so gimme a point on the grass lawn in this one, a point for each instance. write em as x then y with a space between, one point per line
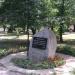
68 46
10 44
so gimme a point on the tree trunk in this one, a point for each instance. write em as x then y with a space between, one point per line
33 30
60 33
28 41
74 28
62 19
52 27
4 27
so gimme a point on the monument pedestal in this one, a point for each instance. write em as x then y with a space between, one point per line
42 46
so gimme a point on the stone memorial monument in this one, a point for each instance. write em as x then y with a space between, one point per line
43 45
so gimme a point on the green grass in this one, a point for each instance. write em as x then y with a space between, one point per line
67 47
5 51
8 46
11 46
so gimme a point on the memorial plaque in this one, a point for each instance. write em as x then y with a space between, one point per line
39 43
42 46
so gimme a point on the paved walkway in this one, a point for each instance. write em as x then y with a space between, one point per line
69 36
8 68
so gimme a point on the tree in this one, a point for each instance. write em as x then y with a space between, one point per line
65 11
19 12
37 13
45 12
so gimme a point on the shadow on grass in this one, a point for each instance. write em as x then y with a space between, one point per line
67 47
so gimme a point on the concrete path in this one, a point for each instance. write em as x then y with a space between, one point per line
8 68
69 36
21 37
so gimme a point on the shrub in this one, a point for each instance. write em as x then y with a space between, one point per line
66 50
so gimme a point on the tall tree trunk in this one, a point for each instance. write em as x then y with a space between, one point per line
27 23
28 41
60 32
62 20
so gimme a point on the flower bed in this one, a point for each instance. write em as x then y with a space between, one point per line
45 64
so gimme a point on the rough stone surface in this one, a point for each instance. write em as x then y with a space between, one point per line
2 67
15 73
36 54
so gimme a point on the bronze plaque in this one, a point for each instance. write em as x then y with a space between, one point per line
39 43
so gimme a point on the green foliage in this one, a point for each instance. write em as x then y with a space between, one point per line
2 52
47 13
28 64
7 51
38 13
66 50
65 8
7 47
21 12
27 12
